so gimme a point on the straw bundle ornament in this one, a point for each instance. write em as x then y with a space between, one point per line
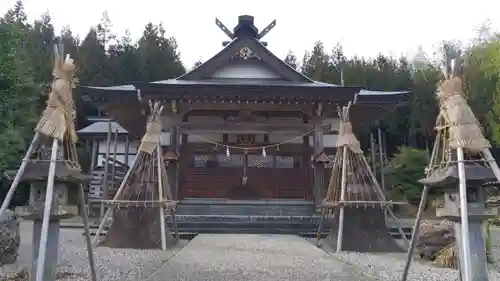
464 129
59 115
151 138
346 135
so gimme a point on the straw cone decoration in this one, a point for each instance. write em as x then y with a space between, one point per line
151 138
58 118
346 136
464 129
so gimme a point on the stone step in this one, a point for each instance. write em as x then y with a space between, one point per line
243 218
228 209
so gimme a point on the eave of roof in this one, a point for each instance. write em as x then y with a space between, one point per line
382 97
129 92
101 127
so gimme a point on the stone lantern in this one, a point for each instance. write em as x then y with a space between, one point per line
447 179
67 175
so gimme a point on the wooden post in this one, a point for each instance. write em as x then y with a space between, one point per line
343 186
127 150
106 170
113 169
94 155
464 216
159 160
117 195
86 229
420 212
381 155
373 152
174 167
49 195
19 174
318 169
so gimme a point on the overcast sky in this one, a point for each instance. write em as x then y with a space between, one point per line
363 27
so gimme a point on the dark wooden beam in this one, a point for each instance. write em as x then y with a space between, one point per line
249 128
279 107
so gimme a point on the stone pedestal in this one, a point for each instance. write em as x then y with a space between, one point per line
34 212
9 238
477 213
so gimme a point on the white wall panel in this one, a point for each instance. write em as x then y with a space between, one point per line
328 140
254 71
120 146
335 122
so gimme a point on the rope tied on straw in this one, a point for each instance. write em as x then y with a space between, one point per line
58 117
346 136
151 138
464 129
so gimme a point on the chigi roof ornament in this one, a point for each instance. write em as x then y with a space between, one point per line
245 27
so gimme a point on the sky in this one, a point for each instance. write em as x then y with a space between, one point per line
363 27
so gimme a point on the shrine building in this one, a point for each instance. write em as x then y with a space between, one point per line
246 134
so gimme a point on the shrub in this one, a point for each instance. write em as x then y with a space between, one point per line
405 169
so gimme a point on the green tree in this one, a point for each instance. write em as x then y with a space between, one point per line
123 60
291 60
317 63
41 39
158 55
405 169
197 63
19 94
92 61
481 78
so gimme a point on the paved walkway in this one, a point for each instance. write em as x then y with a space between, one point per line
242 257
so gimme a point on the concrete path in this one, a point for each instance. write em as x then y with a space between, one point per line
242 257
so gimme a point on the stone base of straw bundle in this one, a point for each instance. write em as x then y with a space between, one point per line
365 231
136 228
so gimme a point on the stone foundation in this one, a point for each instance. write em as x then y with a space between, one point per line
9 238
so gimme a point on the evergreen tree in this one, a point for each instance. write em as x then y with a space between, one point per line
291 60
92 61
19 94
159 56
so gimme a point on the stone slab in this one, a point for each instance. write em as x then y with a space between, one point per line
246 257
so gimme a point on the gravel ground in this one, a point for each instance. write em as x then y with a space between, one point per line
73 263
235 258
240 257
388 267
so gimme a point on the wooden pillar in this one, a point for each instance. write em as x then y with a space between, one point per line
174 167
127 150
106 171
381 154
318 168
93 159
305 160
113 168
373 153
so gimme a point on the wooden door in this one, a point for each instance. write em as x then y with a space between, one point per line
221 176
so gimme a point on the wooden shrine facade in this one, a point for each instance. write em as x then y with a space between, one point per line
220 115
